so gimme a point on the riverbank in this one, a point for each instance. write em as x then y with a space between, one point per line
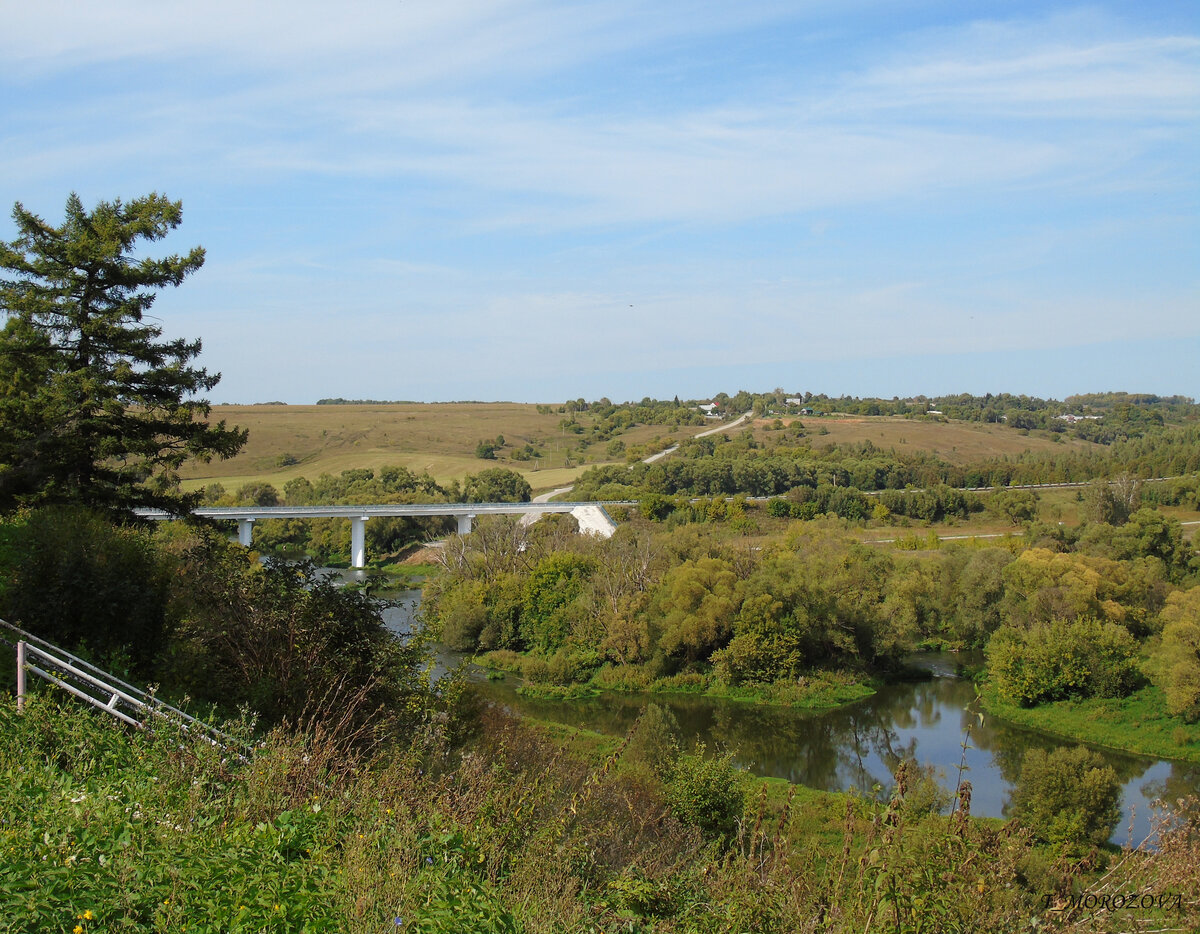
1138 723
815 820
818 690
524 830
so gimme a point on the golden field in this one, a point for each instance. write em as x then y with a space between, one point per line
438 437
955 442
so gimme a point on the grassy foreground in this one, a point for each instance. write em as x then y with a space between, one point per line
106 830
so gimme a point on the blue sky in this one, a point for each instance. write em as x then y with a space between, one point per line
531 200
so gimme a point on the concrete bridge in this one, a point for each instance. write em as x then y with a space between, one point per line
591 517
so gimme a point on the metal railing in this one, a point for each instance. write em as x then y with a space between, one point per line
103 690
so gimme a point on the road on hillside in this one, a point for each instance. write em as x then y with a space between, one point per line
704 434
546 497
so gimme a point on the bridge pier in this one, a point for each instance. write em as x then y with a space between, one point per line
358 542
464 524
245 527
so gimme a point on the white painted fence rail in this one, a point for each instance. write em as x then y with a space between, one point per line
103 690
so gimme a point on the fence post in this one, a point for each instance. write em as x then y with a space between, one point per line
20 676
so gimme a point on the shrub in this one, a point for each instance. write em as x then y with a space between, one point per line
684 683
77 579
923 793
1060 659
290 644
655 506
1068 797
565 667
779 508
459 615
503 659
707 793
535 670
628 678
1177 659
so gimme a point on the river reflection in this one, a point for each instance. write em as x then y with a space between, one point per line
856 746
859 745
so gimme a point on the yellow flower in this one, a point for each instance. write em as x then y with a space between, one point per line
87 915
77 930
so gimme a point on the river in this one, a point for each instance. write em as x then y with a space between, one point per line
855 746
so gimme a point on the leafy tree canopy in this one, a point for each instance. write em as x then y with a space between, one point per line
497 485
96 407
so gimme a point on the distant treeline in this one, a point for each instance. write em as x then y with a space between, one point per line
1099 417
719 465
340 401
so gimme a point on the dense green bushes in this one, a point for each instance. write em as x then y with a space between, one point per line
1060 659
688 599
706 792
184 608
76 579
289 643
1068 796
1177 658
675 603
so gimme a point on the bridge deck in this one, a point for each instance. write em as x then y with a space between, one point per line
374 510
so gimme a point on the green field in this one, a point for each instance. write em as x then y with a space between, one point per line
1138 723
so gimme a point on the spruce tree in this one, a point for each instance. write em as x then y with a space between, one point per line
95 407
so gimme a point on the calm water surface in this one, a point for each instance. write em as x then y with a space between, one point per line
856 746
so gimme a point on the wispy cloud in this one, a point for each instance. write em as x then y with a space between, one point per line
405 93
1151 79
516 168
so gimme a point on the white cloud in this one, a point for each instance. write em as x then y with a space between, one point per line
407 91
400 43
1156 78
320 141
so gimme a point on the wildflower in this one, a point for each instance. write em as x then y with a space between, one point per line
428 860
87 915
399 921
77 930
